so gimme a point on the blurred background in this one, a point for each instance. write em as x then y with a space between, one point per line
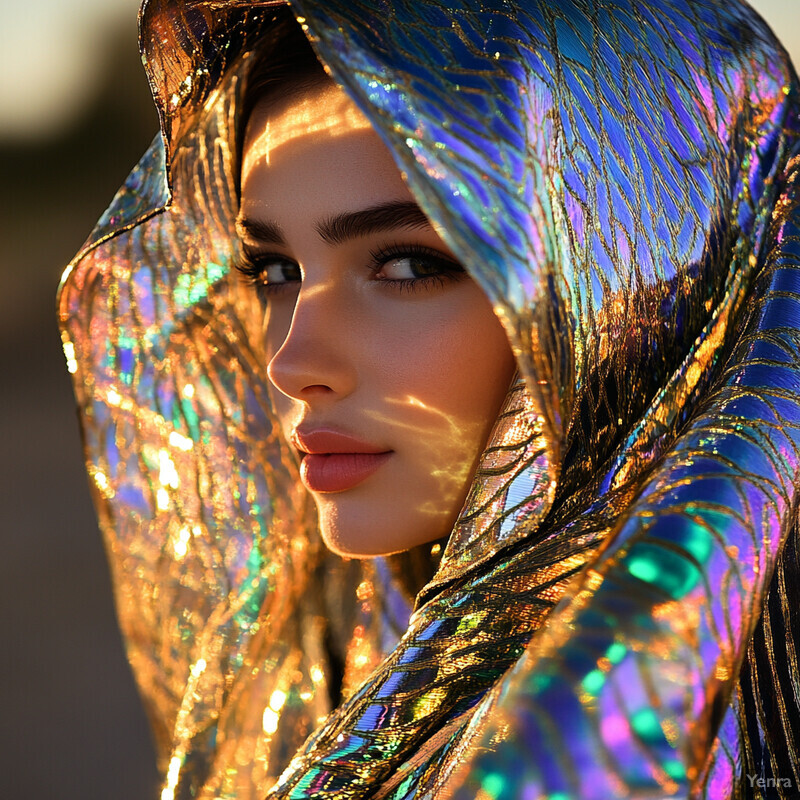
76 116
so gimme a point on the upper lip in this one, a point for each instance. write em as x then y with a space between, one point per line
318 441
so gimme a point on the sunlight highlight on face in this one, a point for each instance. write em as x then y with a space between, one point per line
303 120
387 365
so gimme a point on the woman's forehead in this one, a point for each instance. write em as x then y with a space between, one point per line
322 111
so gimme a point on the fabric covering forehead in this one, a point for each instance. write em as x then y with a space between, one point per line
620 179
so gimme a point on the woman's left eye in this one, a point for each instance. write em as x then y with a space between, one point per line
414 264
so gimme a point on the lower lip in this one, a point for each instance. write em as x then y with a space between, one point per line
337 472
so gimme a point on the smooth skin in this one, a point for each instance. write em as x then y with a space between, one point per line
373 330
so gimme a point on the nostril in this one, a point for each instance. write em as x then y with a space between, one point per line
316 389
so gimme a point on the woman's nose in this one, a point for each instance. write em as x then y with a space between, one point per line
316 357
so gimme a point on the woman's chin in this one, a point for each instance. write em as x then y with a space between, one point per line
348 548
363 533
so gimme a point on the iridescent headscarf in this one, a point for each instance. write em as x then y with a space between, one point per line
615 612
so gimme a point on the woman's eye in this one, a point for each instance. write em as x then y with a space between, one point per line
267 273
409 268
413 266
278 272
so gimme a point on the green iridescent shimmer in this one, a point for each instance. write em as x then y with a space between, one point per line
613 615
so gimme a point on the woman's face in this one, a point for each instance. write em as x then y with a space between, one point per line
387 366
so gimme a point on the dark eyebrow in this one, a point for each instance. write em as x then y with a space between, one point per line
341 227
263 232
351 225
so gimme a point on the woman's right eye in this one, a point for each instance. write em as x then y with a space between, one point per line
268 273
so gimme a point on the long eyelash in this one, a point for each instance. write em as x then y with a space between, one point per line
452 271
387 252
250 269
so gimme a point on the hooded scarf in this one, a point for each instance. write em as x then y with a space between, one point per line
615 611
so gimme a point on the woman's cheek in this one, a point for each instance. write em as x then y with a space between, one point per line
461 362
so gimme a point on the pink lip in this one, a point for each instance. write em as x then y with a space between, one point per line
335 462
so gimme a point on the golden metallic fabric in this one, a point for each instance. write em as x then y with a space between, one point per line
615 612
